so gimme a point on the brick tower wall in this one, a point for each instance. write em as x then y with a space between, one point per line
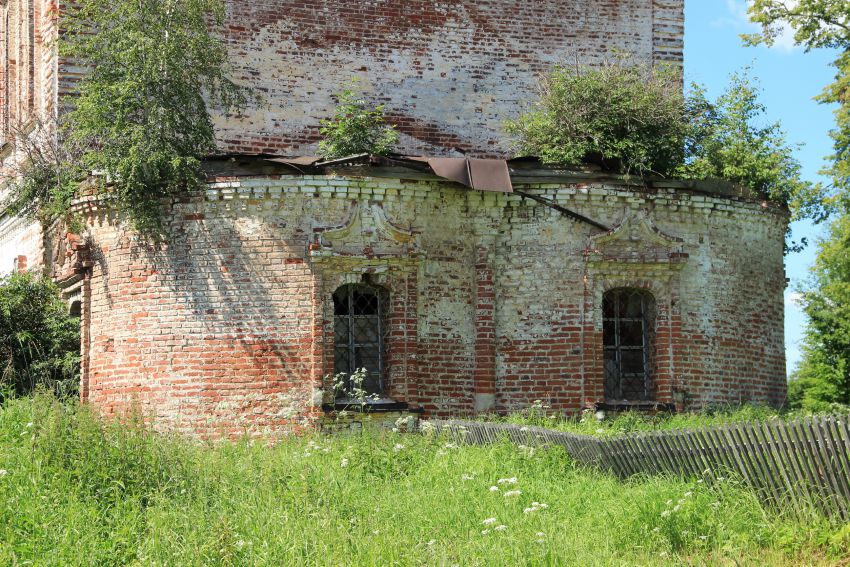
494 300
450 72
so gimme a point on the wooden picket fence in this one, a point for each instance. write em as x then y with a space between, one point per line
802 465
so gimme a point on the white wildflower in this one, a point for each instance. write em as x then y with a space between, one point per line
431 542
398 447
540 534
494 489
485 532
676 508
688 494
512 493
530 510
29 425
500 528
467 477
665 513
511 480
3 472
343 463
489 521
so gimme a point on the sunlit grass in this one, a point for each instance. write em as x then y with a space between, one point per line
73 492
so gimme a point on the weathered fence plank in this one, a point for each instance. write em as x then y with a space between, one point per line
803 463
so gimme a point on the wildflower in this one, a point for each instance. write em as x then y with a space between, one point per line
3 472
431 542
669 502
467 477
485 532
489 521
511 480
523 429
676 508
665 513
450 446
398 447
343 463
656 530
494 489
530 510
540 534
512 493
688 494
500 528
29 425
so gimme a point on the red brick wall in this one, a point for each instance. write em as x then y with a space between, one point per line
495 301
450 72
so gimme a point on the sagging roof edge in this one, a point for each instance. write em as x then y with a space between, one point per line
490 175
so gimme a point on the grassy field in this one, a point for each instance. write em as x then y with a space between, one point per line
73 492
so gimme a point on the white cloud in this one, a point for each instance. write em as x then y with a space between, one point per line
737 17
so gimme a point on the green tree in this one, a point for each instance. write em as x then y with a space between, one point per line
357 127
817 24
39 340
729 139
140 118
627 117
823 377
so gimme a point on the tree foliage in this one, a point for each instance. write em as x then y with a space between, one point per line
824 373
357 127
634 119
140 119
823 377
39 340
817 24
730 139
626 116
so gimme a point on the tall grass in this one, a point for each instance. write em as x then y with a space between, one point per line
74 491
588 423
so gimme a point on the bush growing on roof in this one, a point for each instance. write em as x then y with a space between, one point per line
627 117
357 127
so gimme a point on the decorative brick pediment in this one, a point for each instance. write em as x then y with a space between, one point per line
636 240
366 233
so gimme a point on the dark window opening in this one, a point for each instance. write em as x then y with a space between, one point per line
359 328
627 327
76 309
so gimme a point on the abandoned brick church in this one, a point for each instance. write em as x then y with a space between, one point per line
461 280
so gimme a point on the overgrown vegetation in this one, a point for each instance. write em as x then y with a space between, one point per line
39 341
140 119
606 425
632 118
76 491
823 377
624 116
357 127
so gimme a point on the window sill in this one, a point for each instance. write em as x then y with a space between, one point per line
383 405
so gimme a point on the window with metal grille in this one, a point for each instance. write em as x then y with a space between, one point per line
627 326
359 312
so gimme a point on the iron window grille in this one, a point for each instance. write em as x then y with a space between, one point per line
359 342
627 326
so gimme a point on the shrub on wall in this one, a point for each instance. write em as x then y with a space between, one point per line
39 340
357 127
626 117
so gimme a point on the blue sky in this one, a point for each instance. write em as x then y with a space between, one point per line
790 78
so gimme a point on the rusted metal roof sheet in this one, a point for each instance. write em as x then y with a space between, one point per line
478 174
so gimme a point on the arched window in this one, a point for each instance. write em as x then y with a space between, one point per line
359 311
76 309
628 317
